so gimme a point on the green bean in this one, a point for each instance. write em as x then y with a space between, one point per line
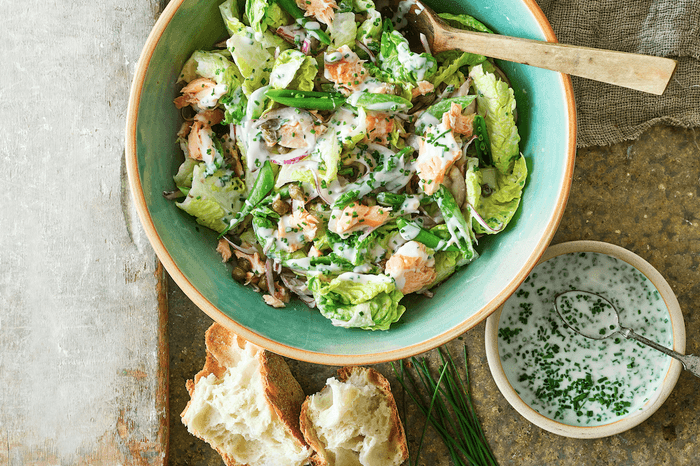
309 100
291 7
396 200
456 223
424 236
263 185
482 143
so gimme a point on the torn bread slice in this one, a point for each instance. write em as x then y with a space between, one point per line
246 403
353 421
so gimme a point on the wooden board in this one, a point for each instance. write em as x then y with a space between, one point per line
83 357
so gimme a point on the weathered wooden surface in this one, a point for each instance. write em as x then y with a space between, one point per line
641 195
81 372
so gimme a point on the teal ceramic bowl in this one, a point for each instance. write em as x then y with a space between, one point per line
547 125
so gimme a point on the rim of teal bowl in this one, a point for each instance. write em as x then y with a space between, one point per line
297 353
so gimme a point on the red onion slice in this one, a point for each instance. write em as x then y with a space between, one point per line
306 46
243 249
289 160
481 221
319 190
366 49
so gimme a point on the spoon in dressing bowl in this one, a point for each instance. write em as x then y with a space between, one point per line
593 316
635 71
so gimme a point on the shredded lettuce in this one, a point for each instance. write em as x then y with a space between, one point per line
214 199
370 302
496 103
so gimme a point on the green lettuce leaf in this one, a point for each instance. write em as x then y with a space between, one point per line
464 22
235 104
183 177
214 65
363 5
445 265
397 59
370 302
294 70
370 31
453 60
498 208
496 103
252 58
231 16
214 199
343 30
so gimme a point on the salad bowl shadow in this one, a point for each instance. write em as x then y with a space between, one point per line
547 125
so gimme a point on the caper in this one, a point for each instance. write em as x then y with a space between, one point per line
238 274
263 283
296 193
244 264
281 207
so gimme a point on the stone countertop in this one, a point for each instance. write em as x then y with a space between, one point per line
641 195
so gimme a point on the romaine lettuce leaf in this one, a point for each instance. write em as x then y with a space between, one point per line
214 199
370 31
451 64
496 103
231 16
363 5
498 208
213 65
343 30
397 59
294 70
464 22
183 177
253 60
370 302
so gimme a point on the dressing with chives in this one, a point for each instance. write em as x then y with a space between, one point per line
567 377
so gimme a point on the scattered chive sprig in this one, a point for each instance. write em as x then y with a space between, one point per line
449 410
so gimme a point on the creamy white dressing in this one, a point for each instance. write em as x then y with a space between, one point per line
567 377
412 61
364 279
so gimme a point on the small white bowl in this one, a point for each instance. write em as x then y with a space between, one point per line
634 418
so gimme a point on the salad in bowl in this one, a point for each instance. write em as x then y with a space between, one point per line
341 162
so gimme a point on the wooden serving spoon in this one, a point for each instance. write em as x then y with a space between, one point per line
641 72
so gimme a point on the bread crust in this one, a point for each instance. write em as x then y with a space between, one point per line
282 391
397 435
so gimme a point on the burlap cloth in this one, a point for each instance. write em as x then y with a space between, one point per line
669 28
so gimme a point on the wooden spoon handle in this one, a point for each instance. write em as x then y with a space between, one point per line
641 72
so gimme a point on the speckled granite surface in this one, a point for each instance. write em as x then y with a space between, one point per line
641 195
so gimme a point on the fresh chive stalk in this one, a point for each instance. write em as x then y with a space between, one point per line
449 410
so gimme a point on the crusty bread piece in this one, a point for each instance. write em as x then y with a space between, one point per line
353 421
245 403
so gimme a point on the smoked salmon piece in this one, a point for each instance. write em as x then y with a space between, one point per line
358 215
460 124
411 267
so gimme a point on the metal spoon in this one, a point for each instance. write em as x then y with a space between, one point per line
641 72
598 318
